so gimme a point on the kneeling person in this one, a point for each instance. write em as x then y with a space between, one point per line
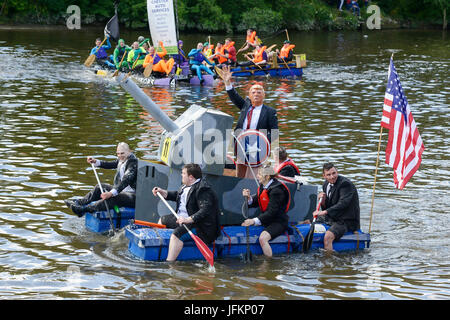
197 208
273 199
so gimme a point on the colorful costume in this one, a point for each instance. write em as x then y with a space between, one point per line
159 64
196 63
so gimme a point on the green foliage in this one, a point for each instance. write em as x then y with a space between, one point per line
263 20
267 16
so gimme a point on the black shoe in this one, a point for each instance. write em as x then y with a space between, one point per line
78 210
69 203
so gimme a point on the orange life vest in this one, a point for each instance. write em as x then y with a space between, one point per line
251 37
284 52
222 52
289 162
228 46
259 54
263 198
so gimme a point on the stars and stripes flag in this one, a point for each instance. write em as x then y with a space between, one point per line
404 148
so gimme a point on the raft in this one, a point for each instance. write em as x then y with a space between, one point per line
152 243
280 71
164 81
98 222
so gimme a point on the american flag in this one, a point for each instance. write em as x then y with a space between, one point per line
404 149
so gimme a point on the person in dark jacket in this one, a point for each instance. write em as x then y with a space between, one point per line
339 207
121 194
273 199
197 207
254 115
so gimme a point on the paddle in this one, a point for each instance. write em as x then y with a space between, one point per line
202 247
284 61
148 70
106 203
248 254
90 60
309 237
117 71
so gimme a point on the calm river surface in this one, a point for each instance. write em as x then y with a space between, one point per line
54 113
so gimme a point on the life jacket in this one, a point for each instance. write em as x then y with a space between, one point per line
263 197
251 37
259 54
222 52
284 52
289 162
231 55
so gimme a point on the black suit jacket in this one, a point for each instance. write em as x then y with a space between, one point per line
267 119
276 209
130 174
203 207
343 203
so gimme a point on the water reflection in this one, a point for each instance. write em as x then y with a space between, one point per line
54 113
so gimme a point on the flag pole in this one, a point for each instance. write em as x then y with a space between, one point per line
376 169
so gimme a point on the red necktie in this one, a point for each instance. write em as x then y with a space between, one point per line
249 117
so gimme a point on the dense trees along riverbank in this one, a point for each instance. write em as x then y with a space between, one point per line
267 16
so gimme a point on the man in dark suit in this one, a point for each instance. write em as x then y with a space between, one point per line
121 194
339 207
254 113
197 208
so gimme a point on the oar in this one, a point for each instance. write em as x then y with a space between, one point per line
132 68
117 71
148 70
90 60
284 61
248 254
106 203
202 247
309 237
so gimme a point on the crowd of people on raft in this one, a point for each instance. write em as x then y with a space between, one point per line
197 202
204 58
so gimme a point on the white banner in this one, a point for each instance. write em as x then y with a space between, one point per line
161 21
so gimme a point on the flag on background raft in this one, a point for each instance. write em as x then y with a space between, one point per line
112 27
404 149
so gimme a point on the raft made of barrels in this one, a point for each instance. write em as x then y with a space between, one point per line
152 243
98 221
281 71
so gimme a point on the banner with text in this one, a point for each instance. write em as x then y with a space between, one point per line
161 21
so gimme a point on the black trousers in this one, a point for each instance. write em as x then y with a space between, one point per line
123 199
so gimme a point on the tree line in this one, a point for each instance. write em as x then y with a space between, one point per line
267 16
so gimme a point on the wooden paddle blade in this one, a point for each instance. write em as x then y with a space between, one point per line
90 60
205 251
148 70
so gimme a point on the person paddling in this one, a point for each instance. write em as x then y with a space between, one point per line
100 51
159 64
136 57
197 208
120 55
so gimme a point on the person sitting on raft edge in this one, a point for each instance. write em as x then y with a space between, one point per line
273 198
196 61
284 166
197 207
121 194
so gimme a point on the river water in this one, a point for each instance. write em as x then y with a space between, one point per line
54 113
